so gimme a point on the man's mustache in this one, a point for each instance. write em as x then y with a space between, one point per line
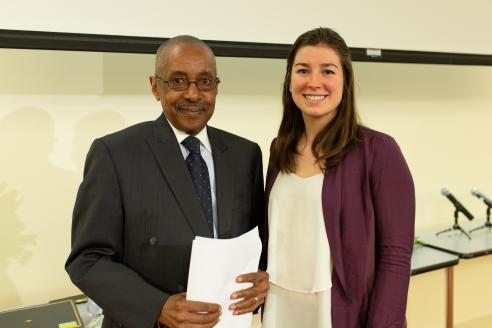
184 104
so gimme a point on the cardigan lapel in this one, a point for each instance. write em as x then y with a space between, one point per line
332 204
168 155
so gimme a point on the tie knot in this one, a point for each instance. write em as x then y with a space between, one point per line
192 144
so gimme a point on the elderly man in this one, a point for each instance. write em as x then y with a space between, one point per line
148 190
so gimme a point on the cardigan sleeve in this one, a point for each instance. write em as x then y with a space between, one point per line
393 197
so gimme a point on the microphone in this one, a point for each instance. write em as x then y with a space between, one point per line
476 192
456 203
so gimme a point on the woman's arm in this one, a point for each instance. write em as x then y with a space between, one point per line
393 197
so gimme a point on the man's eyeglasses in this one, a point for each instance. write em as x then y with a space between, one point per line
182 83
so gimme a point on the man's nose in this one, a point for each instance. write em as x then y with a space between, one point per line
192 92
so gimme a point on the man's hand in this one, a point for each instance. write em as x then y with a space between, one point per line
178 312
251 297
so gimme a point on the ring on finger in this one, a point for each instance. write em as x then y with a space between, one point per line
256 299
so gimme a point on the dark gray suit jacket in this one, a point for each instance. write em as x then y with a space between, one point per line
137 213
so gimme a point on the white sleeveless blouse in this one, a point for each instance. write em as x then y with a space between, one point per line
299 262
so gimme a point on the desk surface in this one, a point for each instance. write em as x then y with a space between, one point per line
425 259
40 316
457 243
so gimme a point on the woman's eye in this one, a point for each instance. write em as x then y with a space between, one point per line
328 72
302 71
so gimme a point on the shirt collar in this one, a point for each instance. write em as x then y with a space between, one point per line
202 136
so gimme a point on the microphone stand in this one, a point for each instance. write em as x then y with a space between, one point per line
455 226
487 223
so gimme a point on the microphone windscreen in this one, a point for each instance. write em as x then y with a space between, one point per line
445 191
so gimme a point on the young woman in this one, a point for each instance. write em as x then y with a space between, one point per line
341 202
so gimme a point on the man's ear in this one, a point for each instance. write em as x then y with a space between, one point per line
155 88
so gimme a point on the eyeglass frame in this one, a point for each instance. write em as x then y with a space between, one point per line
217 81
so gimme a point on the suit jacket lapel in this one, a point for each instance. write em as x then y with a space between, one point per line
168 155
223 183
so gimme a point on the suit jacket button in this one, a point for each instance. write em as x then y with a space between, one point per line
180 288
153 241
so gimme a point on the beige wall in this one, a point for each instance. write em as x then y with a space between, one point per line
53 104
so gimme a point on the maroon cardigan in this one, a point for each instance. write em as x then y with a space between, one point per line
369 210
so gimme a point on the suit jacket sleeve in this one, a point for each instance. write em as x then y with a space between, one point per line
258 205
264 221
393 198
94 264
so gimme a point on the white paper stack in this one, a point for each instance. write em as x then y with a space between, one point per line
214 267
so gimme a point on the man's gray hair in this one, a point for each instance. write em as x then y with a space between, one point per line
175 41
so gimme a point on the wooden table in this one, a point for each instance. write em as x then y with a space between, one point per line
458 244
425 259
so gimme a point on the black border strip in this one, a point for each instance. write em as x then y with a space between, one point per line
435 267
146 45
462 255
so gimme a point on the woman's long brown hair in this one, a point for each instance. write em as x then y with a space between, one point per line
332 142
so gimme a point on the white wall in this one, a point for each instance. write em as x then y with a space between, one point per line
459 26
53 104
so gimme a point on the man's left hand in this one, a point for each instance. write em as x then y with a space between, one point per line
250 298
